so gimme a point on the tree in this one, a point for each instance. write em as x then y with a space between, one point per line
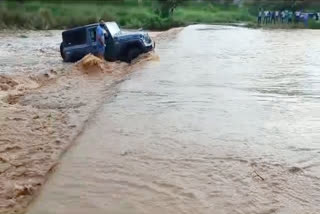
165 8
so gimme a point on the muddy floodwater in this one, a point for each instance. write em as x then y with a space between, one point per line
227 121
29 52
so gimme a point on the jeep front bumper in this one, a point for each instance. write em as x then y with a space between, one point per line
149 47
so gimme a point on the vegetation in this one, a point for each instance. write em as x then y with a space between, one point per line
314 25
154 15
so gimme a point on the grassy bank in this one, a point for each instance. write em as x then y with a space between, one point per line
128 13
312 24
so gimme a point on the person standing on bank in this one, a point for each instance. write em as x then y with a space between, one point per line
100 39
305 19
297 16
283 16
260 16
290 16
277 14
273 17
265 17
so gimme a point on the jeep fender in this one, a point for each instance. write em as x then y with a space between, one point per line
132 44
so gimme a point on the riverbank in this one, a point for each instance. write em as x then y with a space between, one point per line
312 24
40 116
129 14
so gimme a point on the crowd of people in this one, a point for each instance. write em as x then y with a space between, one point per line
285 17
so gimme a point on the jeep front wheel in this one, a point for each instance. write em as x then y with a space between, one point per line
133 53
62 53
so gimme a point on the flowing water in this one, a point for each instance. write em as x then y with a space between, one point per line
228 121
29 52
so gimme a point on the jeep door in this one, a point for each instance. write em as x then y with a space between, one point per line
110 51
92 40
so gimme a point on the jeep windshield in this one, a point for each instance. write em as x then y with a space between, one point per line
113 28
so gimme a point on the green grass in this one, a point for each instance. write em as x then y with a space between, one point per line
314 24
222 16
48 15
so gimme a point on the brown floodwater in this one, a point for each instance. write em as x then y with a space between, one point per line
228 121
29 52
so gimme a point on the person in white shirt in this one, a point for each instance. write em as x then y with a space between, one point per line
277 16
265 18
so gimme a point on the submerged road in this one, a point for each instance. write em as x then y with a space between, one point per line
228 121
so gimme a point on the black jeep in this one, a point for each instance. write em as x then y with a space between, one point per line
80 41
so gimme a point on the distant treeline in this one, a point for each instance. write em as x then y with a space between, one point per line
148 14
276 4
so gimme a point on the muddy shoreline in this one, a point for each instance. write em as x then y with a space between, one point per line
41 115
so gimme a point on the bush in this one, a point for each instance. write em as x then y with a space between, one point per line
159 23
46 19
13 19
106 17
313 24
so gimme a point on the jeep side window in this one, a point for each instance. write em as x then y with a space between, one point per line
92 33
75 37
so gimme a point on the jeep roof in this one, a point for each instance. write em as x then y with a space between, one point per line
81 27
77 35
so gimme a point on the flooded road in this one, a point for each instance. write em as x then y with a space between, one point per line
227 121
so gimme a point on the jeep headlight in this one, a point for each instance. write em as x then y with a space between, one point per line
146 39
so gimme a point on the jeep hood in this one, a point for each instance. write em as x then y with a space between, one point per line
130 35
